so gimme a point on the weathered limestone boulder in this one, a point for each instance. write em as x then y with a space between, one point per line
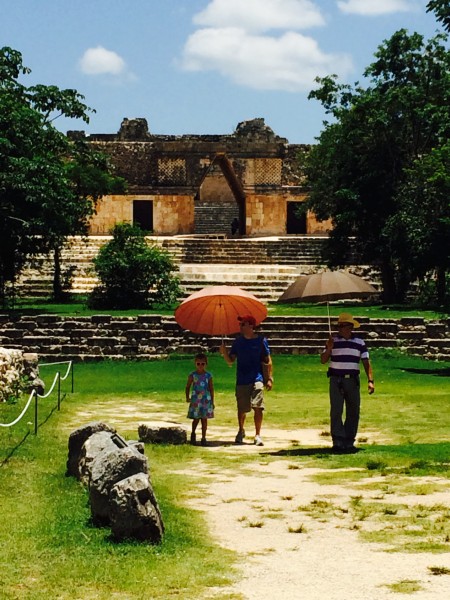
95 444
76 440
31 372
134 511
138 446
171 434
120 442
107 469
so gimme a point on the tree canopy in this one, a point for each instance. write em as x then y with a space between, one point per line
372 153
49 185
441 9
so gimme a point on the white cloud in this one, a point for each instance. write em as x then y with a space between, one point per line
289 62
376 7
260 15
99 61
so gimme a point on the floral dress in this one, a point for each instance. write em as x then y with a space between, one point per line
201 406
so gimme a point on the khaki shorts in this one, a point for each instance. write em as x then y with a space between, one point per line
250 396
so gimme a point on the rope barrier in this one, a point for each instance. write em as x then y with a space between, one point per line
35 395
65 362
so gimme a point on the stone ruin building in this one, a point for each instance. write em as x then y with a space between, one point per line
200 184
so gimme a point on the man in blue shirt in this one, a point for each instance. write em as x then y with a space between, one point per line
344 352
250 350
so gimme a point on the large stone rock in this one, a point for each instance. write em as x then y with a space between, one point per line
76 440
107 469
92 447
154 434
134 511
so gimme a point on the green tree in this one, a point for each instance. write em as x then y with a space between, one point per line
424 198
441 9
360 162
132 273
48 184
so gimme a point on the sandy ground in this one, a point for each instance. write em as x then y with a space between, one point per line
286 553
289 555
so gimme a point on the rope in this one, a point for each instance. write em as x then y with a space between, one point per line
22 413
65 362
34 393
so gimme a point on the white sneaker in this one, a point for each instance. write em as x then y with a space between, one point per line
258 441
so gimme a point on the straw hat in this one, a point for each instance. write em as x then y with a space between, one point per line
347 318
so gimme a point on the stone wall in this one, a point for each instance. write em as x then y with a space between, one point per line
253 167
147 337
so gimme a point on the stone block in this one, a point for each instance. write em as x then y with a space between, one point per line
133 510
162 434
76 440
107 469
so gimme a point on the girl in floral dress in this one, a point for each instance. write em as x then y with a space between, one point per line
201 407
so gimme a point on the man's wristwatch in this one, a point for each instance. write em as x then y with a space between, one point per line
370 381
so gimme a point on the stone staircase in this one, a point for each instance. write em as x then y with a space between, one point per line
267 282
263 266
214 217
147 337
285 250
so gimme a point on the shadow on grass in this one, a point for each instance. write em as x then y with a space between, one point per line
219 443
436 453
14 450
445 372
315 451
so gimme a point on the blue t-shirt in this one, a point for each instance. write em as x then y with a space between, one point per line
249 354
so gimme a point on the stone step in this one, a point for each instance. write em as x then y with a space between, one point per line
203 260
250 270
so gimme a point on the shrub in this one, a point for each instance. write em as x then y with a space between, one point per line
132 273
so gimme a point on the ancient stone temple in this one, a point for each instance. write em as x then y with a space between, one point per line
247 183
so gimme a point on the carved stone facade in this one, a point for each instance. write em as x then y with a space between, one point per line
199 184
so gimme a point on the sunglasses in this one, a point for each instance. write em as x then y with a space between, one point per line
200 364
345 325
244 323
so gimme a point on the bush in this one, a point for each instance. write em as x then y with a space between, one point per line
132 273
427 295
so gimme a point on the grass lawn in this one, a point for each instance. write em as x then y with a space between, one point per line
49 548
78 308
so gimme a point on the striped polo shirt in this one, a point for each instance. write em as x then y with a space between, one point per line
346 355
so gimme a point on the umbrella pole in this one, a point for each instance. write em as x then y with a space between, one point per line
329 320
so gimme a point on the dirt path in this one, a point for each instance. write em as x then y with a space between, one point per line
287 553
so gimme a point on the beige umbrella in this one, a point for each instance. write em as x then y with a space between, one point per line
327 286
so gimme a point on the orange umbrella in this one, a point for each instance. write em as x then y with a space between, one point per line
214 310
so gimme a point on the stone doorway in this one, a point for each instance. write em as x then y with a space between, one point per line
220 201
296 220
143 214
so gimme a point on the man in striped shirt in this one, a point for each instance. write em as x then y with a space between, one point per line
344 352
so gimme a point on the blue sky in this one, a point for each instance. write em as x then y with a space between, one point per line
202 66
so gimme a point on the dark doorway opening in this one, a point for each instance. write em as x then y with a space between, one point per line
296 219
143 214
